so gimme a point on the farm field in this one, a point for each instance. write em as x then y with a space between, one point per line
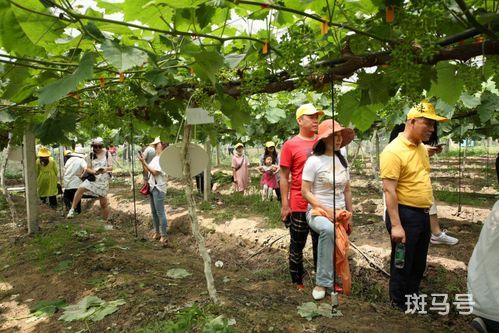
72 259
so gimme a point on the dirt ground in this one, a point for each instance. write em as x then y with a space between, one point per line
252 283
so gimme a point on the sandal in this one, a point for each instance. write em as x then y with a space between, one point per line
156 236
163 240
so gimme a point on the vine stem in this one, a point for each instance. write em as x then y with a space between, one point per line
191 204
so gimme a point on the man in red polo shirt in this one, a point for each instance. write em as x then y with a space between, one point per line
294 153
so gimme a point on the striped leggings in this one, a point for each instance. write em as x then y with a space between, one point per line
298 231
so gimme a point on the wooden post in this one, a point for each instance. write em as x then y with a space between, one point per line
207 171
29 160
191 205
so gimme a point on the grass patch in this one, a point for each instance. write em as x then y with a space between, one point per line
176 198
51 243
367 289
192 319
471 199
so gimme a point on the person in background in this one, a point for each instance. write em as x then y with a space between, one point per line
294 153
405 171
157 186
240 169
321 187
270 150
438 236
114 152
149 153
483 276
73 169
269 178
46 177
99 164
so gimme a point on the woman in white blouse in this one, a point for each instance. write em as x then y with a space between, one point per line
157 185
326 185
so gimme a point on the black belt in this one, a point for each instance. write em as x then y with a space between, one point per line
419 209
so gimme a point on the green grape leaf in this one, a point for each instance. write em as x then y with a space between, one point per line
207 65
448 85
12 36
470 101
46 308
488 107
106 309
90 307
310 310
233 60
56 90
6 117
157 78
275 114
177 273
363 117
346 104
123 57
53 129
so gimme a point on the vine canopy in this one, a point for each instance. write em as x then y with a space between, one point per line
75 68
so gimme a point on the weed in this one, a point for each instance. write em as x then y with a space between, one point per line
51 243
192 319
471 199
366 289
176 198
64 266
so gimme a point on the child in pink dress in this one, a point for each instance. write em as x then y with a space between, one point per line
269 179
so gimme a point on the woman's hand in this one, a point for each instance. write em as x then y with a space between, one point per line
349 226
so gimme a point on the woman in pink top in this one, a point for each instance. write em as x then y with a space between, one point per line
240 170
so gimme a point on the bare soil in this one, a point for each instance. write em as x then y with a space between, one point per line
253 284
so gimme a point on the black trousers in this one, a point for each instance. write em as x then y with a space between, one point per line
52 200
278 193
69 195
298 231
406 281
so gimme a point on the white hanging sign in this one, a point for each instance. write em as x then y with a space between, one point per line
196 116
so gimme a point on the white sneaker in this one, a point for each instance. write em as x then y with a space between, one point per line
318 294
443 239
71 213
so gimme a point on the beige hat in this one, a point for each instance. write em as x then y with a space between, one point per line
239 144
156 141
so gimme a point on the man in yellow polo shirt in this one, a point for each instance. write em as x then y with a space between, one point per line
405 170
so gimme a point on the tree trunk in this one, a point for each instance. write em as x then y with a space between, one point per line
355 154
207 171
374 150
3 168
218 154
29 160
376 140
191 204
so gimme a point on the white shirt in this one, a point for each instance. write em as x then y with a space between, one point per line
483 269
319 171
72 171
158 181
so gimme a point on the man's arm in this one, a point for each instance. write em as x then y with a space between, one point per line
284 185
391 199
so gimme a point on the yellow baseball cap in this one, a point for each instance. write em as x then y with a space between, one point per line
424 110
307 109
239 144
269 144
